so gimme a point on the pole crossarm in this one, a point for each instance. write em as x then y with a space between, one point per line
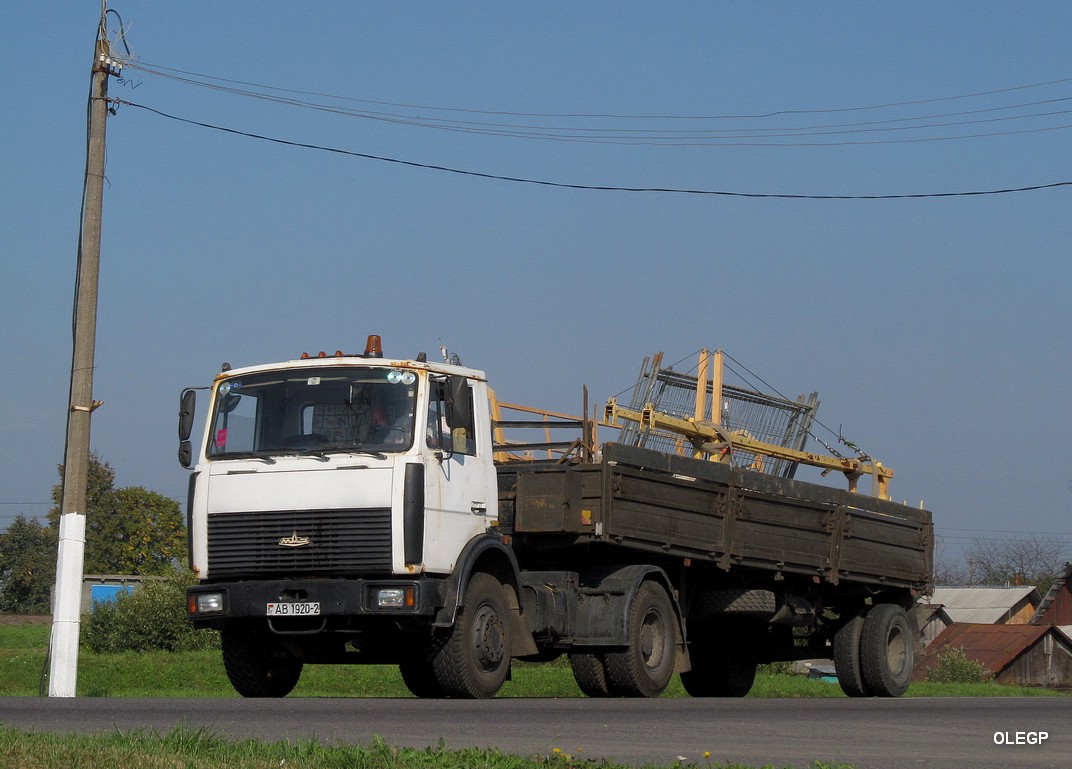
719 443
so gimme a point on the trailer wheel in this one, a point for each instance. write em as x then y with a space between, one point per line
847 656
887 651
645 667
472 660
257 666
590 674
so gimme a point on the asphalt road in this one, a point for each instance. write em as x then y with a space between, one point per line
867 733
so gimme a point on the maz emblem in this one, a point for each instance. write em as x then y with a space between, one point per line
294 541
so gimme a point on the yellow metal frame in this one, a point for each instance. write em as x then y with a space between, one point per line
709 438
706 436
718 443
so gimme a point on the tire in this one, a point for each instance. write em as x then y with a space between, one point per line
590 674
645 667
472 660
727 677
258 666
847 656
419 677
719 668
887 651
708 604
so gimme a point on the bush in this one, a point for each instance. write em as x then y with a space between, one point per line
953 666
152 618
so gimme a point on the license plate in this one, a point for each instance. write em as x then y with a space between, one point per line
307 609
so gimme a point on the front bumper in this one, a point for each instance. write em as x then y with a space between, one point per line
214 604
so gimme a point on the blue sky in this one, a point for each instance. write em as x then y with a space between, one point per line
936 330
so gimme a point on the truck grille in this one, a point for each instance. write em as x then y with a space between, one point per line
339 542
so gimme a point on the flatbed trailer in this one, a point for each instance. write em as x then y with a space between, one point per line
713 516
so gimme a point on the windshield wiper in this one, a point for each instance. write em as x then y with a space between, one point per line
353 450
321 452
258 455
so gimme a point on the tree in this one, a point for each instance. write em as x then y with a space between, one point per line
1032 560
129 530
27 566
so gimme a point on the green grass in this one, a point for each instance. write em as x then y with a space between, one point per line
198 749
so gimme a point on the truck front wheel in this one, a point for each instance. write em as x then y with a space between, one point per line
645 667
257 666
590 673
419 677
471 661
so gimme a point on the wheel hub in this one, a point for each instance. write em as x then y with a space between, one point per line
489 632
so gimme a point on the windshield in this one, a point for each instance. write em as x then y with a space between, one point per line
314 410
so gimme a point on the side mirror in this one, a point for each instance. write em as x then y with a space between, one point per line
186 425
186 454
459 413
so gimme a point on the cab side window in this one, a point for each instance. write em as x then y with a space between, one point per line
463 431
451 428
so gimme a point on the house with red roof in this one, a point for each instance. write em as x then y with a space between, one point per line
1023 655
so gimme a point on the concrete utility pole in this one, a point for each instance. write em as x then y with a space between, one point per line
63 672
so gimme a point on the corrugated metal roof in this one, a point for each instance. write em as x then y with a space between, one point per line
978 616
993 646
984 605
982 597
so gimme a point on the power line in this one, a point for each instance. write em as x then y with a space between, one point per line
161 70
643 136
1004 531
576 186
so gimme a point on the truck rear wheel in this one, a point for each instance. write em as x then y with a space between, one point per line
472 660
847 656
590 674
257 666
740 602
887 651
645 667
720 667
723 677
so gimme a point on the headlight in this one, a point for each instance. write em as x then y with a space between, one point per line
206 603
391 598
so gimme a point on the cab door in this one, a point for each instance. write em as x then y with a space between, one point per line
460 487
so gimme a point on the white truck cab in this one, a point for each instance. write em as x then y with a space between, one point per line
319 451
335 492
